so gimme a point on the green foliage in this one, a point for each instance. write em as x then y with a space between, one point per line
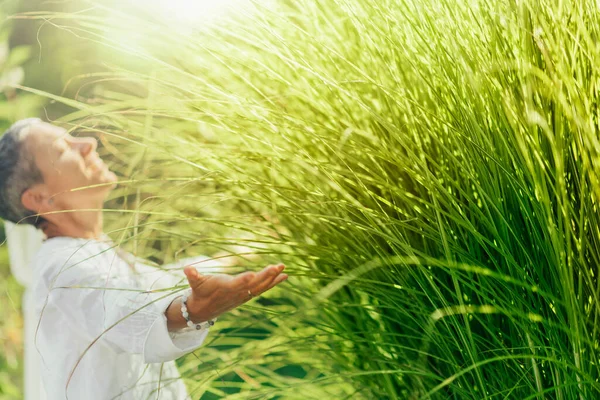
428 170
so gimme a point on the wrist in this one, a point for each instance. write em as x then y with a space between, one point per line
189 318
175 320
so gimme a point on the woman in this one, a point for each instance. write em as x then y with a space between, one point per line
105 329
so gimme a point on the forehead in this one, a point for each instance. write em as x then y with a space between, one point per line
41 135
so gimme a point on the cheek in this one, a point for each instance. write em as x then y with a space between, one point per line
68 173
73 166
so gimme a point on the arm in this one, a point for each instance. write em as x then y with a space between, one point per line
213 295
129 315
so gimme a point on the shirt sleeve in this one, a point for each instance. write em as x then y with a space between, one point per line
160 345
183 340
115 308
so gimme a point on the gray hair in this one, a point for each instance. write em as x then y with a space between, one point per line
18 172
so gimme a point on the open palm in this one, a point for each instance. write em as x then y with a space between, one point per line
213 295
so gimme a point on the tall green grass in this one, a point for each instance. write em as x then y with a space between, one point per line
427 169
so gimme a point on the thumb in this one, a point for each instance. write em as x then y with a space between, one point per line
192 275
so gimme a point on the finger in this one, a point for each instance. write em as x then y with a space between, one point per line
268 276
278 279
249 279
269 273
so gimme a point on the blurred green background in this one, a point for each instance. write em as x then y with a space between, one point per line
16 52
11 325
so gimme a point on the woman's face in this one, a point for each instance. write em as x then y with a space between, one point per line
68 163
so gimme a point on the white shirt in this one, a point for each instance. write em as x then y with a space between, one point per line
100 334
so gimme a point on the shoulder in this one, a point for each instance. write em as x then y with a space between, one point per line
69 260
70 250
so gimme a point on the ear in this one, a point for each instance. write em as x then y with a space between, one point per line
36 199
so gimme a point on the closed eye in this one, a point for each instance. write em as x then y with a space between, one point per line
62 146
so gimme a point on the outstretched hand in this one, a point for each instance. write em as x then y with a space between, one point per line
213 295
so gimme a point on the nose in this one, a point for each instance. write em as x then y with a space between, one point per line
85 145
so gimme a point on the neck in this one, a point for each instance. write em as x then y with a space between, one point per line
76 224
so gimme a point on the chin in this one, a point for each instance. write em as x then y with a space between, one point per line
105 179
112 177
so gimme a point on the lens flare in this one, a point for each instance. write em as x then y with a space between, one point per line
189 11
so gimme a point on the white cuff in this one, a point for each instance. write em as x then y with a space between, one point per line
160 346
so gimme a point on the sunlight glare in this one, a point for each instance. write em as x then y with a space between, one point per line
179 16
190 11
